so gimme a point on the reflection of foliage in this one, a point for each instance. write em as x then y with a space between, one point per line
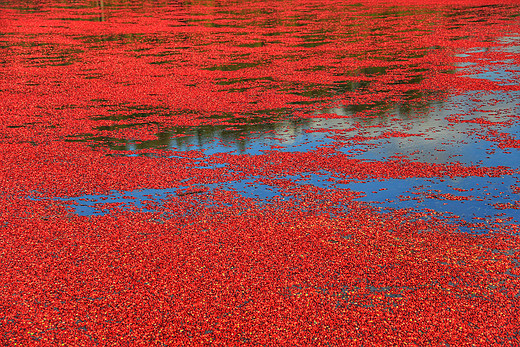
296 61
237 130
233 129
123 38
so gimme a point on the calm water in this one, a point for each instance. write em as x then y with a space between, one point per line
135 79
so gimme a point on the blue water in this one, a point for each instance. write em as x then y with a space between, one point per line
420 194
150 200
439 136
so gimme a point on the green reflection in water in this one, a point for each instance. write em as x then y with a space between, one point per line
290 36
232 67
235 132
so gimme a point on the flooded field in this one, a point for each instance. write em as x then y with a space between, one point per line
259 172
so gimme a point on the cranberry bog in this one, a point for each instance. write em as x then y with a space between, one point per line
265 172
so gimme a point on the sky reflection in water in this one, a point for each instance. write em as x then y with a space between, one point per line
302 122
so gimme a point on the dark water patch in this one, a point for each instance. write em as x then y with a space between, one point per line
232 67
124 38
238 132
238 138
